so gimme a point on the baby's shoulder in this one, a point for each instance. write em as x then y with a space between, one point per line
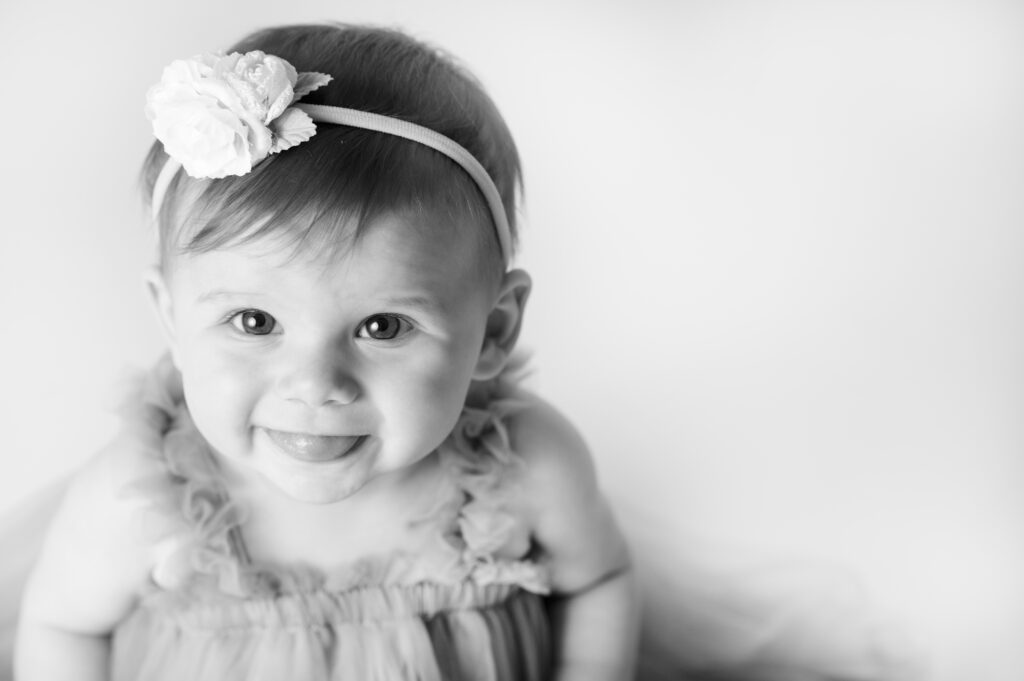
547 442
99 548
570 520
557 468
113 491
132 455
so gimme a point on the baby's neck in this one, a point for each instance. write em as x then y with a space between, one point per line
380 518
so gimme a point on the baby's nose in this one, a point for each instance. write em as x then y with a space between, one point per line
319 380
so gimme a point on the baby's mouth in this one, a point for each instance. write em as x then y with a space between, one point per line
314 448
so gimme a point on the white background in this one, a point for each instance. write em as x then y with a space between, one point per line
777 248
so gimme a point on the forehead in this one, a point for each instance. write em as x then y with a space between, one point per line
391 254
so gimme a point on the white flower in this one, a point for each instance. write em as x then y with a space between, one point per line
220 115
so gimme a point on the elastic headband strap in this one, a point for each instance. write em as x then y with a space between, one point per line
399 128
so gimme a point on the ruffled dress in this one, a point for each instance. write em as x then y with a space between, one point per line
450 609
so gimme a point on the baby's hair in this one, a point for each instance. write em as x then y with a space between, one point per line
323 194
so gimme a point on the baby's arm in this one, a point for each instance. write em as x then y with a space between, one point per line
594 605
93 561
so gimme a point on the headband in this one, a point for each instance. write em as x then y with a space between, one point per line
220 115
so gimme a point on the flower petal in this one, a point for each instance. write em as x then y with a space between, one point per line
291 128
309 81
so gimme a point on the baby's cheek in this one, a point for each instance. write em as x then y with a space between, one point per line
446 380
428 404
221 401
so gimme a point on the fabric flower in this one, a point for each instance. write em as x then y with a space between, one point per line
220 115
484 527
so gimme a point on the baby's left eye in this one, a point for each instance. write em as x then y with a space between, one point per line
254 322
383 327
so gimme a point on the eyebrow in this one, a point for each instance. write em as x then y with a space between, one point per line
221 293
426 303
422 302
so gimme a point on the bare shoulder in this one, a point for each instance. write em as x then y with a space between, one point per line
570 519
98 551
549 443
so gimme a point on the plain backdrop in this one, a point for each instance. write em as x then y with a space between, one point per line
777 249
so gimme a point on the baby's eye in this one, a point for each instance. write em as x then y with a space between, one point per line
254 322
383 327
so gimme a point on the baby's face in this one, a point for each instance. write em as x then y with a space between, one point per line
323 377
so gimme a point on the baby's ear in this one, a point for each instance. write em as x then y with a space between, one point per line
160 298
503 325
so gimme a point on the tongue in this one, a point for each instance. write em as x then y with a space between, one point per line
313 448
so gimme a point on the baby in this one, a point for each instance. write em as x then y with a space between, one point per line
334 475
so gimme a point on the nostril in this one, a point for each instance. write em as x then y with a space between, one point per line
346 392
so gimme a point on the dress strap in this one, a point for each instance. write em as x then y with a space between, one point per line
216 544
236 543
222 500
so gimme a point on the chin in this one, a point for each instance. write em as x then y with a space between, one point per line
317 491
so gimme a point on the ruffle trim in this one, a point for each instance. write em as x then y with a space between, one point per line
427 631
471 527
303 610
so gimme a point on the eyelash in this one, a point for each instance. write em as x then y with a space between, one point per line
237 320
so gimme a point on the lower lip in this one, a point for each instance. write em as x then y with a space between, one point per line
315 448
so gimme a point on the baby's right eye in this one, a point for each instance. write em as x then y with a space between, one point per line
254 322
